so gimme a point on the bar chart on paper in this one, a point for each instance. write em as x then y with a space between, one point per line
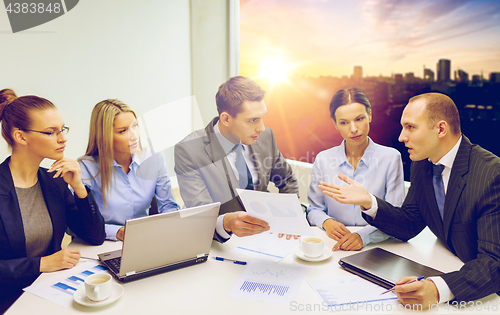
70 284
249 286
60 288
269 282
349 290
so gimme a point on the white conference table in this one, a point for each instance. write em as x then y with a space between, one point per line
204 288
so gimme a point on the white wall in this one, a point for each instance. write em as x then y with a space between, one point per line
137 51
215 51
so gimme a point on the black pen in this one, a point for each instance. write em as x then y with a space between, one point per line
234 261
414 280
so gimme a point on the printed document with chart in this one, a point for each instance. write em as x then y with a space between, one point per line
282 212
62 285
269 282
349 290
267 246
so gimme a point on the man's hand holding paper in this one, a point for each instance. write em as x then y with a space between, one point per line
242 224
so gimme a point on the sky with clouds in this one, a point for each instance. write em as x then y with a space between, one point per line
330 37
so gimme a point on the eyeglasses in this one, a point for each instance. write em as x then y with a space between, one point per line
52 133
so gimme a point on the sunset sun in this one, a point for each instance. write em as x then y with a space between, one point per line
274 69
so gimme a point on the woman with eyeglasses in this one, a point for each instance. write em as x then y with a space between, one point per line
123 177
36 205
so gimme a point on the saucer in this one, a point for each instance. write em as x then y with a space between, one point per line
82 299
327 253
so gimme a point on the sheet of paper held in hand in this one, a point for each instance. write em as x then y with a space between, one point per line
282 212
60 288
269 282
349 290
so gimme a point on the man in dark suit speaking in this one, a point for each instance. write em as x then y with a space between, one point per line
235 150
455 191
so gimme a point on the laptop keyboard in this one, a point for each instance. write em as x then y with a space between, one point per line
114 264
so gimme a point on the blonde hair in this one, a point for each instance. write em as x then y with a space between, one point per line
100 145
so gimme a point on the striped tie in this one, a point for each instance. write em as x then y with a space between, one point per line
437 182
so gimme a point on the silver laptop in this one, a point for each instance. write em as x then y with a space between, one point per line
163 242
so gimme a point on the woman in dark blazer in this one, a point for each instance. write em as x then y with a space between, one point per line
36 205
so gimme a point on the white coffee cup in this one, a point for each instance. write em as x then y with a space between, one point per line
312 246
98 287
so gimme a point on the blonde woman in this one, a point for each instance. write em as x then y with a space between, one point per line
36 205
123 177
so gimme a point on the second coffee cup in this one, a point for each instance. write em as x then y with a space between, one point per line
311 246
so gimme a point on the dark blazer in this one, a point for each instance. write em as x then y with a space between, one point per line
471 227
205 175
82 216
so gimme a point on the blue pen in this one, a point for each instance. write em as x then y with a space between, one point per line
414 280
234 261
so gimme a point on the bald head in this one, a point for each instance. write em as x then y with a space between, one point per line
440 107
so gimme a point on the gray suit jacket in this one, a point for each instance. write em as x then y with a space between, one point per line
205 176
471 224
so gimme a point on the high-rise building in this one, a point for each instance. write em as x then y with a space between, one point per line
495 77
358 73
461 76
444 70
409 77
428 75
398 78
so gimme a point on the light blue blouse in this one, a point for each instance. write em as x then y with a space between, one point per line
380 170
131 194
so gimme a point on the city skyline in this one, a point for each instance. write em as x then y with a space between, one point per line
358 72
329 38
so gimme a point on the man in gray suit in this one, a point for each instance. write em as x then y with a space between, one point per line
235 150
455 191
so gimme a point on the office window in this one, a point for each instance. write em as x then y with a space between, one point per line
301 52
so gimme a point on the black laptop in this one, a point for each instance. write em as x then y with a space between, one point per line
383 267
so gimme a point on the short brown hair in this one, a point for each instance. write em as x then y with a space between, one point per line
440 107
234 92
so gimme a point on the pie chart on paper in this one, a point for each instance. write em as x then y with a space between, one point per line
258 207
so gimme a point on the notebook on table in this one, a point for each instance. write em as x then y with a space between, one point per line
383 267
163 242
